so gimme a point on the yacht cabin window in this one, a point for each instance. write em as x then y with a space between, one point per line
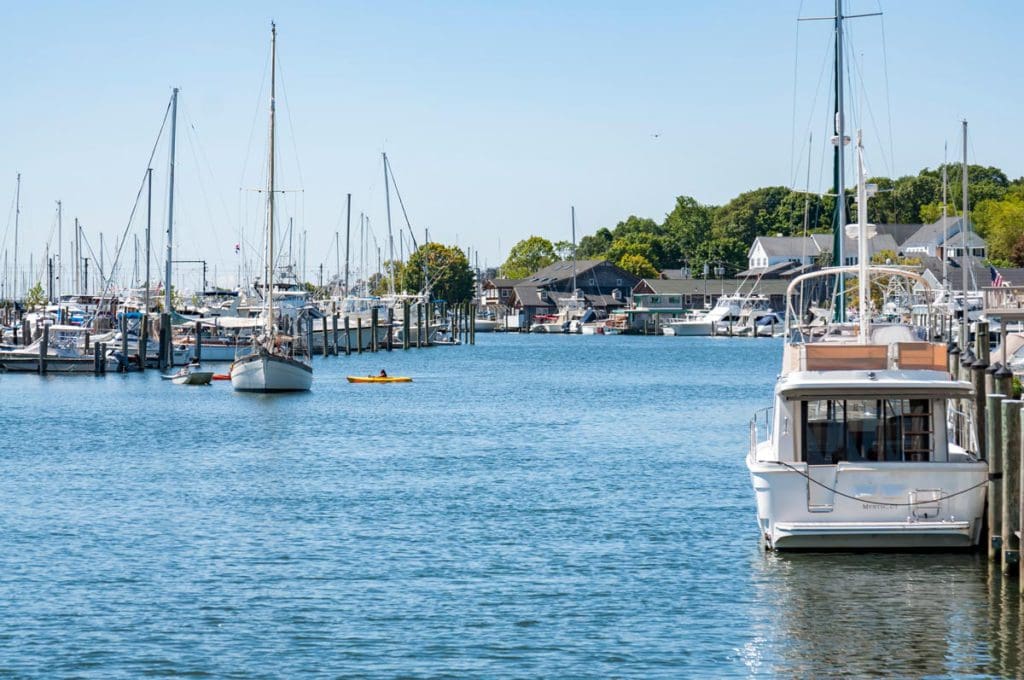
880 430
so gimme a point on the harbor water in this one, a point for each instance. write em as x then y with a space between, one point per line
533 506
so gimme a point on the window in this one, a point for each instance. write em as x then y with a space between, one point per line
618 282
889 430
504 293
978 252
673 301
655 300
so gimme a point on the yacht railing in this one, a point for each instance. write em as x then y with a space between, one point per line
761 426
961 424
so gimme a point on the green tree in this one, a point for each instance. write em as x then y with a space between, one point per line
563 250
646 245
763 211
35 297
380 284
1001 222
528 256
594 247
445 268
637 265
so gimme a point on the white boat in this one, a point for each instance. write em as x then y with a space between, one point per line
271 367
864 447
726 313
190 375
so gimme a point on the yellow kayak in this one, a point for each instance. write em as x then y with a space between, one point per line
377 379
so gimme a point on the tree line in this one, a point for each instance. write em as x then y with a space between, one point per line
693 234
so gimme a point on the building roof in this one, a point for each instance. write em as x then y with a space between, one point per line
713 287
899 232
562 271
787 246
531 296
978 277
973 240
500 283
932 234
1012 275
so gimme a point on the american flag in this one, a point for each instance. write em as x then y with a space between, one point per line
997 278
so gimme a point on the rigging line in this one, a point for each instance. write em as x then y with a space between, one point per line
930 501
10 212
189 129
792 125
291 127
885 72
255 115
817 92
394 182
865 106
138 197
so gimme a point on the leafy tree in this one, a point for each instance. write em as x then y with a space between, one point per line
756 213
646 245
447 270
380 283
35 297
594 247
637 265
563 250
528 256
1002 224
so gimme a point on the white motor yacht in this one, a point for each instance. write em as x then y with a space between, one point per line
865 446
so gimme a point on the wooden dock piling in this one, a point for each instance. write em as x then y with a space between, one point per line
348 337
44 347
994 454
143 340
391 328
978 380
419 325
199 342
359 335
1011 442
334 332
374 318
405 324
472 325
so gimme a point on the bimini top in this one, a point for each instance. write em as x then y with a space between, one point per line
917 383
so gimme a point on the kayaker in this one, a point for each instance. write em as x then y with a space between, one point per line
382 374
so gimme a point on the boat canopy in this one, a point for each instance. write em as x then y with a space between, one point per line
919 383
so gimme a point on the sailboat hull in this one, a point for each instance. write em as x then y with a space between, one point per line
270 373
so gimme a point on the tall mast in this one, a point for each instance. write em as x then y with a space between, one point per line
391 240
60 247
170 204
573 210
17 215
945 225
965 260
348 226
839 219
862 241
78 257
149 222
269 280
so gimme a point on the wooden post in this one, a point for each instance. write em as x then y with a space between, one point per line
44 346
334 332
165 341
307 322
143 341
87 334
373 329
103 358
14 328
359 334
419 325
978 380
26 332
199 341
1011 484
405 324
990 377
994 454
472 327
348 337
953 360
1004 381
123 366
323 335
391 328
96 358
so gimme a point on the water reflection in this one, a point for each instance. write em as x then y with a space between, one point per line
893 614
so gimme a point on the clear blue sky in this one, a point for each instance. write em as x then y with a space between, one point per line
497 115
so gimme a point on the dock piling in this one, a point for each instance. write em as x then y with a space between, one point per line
359 335
44 347
994 454
374 318
1011 484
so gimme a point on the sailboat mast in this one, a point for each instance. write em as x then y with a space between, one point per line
945 224
149 224
269 280
573 212
839 219
348 231
391 239
965 260
60 247
170 205
17 216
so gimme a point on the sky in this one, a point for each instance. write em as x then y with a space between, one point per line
496 116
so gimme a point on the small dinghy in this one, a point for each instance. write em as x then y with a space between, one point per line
378 379
189 375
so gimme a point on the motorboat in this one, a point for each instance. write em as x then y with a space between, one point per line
865 446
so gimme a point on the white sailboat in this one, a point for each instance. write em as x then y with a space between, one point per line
864 447
271 367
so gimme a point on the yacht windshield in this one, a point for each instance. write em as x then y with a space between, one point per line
892 430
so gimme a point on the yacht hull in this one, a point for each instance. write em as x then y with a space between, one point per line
270 373
853 506
688 329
